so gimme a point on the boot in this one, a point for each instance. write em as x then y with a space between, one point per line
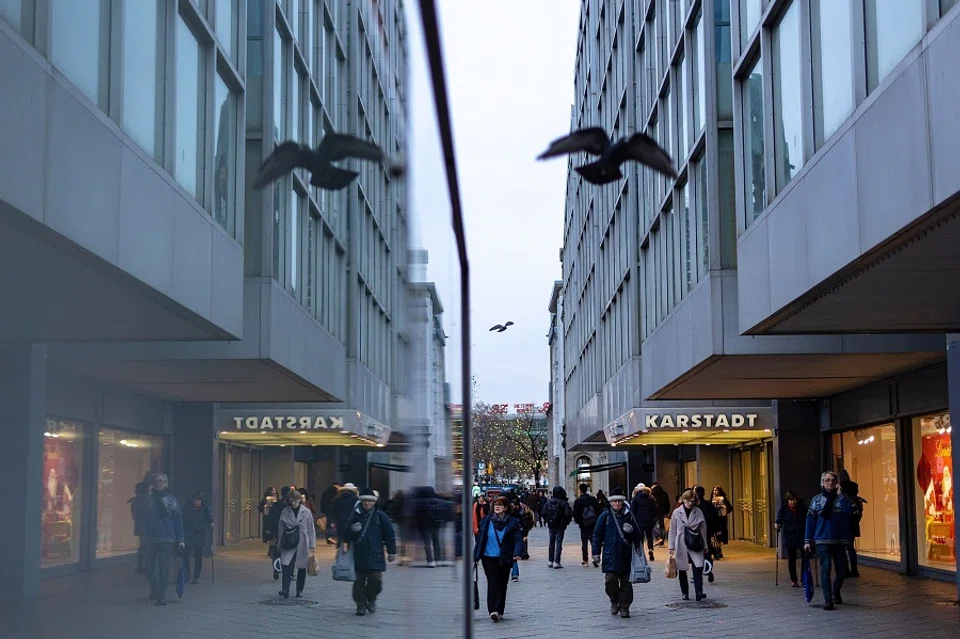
361 611
650 554
614 608
372 606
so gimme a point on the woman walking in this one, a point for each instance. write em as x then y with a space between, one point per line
688 541
499 545
296 523
791 521
724 508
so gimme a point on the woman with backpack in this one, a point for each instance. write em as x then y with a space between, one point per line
297 540
688 541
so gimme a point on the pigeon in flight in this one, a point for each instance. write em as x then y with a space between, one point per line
501 327
333 148
594 140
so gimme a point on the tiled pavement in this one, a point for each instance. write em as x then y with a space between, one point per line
420 602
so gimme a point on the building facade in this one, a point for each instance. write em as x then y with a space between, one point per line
187 323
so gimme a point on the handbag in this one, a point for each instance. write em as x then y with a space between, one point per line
639 568
692 539
343 568
290 539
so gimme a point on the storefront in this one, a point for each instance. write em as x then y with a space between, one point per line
895 441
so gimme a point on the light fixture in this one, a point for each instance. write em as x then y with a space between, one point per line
344 432
303 432
380 445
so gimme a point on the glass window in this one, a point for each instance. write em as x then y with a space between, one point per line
75 43
12 12
727 198
124 461
61 514
755 193
703 221
832 65
140 71
225 155
787 100
279 89
700 84
683 111
892 28
724 55
254 95
187 166
294 241
224 21
688 240
935 517
750 13
297 83
869 455
278 189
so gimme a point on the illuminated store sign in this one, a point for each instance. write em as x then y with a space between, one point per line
686 420
702 420
303 421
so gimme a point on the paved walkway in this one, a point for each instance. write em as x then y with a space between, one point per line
423 602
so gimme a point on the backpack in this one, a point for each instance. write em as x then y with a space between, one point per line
551 512
589 519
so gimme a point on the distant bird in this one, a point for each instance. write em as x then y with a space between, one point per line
501 327
333 148
594 140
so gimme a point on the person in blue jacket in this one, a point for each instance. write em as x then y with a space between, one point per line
499 545
615 535
829 521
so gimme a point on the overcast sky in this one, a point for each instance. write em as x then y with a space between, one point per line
509 69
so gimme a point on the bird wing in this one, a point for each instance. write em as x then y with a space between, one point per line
593 140
332 178
285 158
498 327
508 324
338 146
646 151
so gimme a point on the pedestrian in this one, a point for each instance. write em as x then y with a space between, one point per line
342 506
614 537
527 523
370 532
296 524
791 522
724 508
645 512
663 510
480 510
558 515
535 504
828 532
197 523
162 528
326 510
271 522
141 490
851 489
602 500
713 524
499 546
688 542
586 512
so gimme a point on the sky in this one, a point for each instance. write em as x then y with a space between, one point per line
509 69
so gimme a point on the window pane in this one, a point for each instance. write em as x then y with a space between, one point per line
936 535
310 266
124 461
727 198
225 156
11 11
700 115
750 12
296 83
254 95
946 5
61 514
683 111
787 104
279 89
75 42
755 195
186 165
832 65
224 23
688 238
703 245
278 189
293 241
140 73
892 28
724 56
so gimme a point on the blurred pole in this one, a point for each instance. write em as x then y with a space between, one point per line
431 35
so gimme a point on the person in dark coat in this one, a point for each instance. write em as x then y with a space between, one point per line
615 535
499 546
663 509
558 515
140 490
370 532
343 506
162 532
645 511
586 512
724 508
851 489
271 523
791 523
829 519
713 524
197 523
326 509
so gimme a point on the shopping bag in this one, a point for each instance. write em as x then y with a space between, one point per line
343 568
181 577
639 568
312 566
806 577
670 571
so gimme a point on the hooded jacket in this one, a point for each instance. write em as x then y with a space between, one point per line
557 510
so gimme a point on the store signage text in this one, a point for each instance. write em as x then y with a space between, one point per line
288 423
701 420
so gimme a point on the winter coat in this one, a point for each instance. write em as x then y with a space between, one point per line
343 506
711 515
368 551
479 512
792 524
663 499
308 536
644 508
326 500
511 540
837 529
680 521
580 505
607 542
196 523
160 518
559 505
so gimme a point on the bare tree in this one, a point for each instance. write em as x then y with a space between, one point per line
527 438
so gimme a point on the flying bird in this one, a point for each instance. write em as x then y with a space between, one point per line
595 141
501 327
334 147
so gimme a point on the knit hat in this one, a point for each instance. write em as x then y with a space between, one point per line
349 486
640 486
367 494
616 495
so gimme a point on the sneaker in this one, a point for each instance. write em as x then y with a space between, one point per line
432 564
372 606
837 598
550 563
854 574
701 596
515 578
583 563
361 611
614 609
195 582
557 565
161 602
795 584
625 613
710 577
493 615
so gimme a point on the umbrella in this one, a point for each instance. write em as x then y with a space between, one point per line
181 576
806 577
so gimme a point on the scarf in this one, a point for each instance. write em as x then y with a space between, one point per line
831 495
296 510
500 521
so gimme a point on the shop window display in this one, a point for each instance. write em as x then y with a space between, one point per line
60 512
932 448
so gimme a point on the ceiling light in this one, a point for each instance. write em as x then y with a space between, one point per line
303 432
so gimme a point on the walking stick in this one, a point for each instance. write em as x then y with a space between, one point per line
213 571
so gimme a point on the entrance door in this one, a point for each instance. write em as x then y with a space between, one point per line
751 474
244 495
761 492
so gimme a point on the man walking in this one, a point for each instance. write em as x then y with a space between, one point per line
615 537
586 512
828 531
162 531
558 515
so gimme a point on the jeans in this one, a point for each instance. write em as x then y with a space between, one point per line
618 589
497 579
288 577
197 553
367 586
792 562
556 544
515 571
832 555
159 554
697 581
586 534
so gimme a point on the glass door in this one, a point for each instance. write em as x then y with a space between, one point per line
245 503
761 492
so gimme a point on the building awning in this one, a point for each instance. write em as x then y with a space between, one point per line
700 425
303 427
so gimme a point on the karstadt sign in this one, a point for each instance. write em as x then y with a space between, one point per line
640 420
348 422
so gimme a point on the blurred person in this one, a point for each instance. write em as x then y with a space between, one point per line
535 503
326 509
197 524
602 500
481 508
688 542
791 521
499 546
713 524
142 489
162 532
586 512
663 512
851 489
271 523
613 540
343 506
827 532
370 532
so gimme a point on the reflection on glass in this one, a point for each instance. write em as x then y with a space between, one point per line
703 245
755 194
189 107
832 65
946 5
688 239
254 95
933 490
123 462
723 53
75 42
60 515
727 198
293 240
278 189
892 28
279 89
700 113
311 263
869 455
225 154
683 111
224 25
297 83
750 13
787 102
11 11
293 17
139 73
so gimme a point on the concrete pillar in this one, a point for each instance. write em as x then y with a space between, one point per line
797 452
953 380
23 402
194 460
